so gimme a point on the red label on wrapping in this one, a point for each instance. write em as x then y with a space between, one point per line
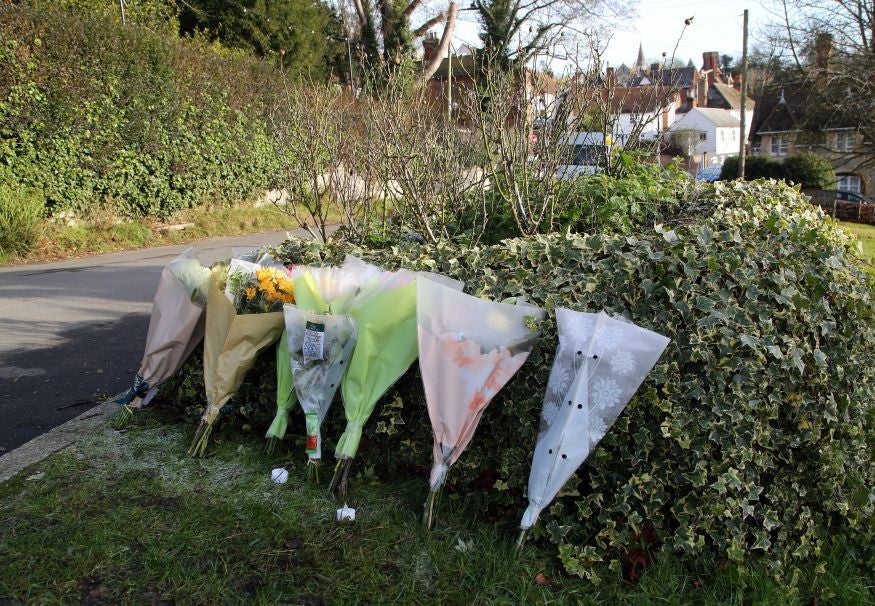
312 442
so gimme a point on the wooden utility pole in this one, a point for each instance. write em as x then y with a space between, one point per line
742 146
450 81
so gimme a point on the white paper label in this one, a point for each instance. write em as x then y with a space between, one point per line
314 339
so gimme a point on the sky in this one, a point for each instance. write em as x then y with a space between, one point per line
657 25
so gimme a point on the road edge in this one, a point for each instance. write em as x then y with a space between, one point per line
54 440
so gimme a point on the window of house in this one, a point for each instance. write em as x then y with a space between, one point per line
779 145
703 136
722 136
845 140
849 183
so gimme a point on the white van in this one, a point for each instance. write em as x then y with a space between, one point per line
587 153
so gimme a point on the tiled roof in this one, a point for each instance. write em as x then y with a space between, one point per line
785 108
726 96
719 117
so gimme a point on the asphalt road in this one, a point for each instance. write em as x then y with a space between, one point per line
72 329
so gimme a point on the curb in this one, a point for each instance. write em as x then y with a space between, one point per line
54 440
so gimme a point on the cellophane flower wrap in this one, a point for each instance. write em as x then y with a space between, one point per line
600 363
320 347
239 326
175 327
286 398
384 308
469 348
315 288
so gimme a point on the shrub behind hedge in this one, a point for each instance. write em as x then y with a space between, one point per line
95 115
753 435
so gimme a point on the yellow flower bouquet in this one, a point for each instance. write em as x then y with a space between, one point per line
244 317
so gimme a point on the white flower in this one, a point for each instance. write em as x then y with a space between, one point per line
622 363
605 393
597 428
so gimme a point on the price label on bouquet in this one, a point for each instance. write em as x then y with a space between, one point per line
312 420
314 341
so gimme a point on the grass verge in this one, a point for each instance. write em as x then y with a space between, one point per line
104 235
866 235
128 518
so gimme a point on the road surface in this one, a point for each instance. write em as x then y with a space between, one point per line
72 329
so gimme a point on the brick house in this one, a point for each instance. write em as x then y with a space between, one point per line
778 134
458 76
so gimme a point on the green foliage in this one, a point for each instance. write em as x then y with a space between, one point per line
124 118
293 33
806 170
752 437
643 193
21 216
809 170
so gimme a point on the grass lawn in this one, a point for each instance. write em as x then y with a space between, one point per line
126 517
866 235
98 236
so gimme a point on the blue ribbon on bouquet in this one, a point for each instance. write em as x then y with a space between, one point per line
139 390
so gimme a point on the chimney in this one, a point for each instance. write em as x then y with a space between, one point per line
654 72
702 93
610 79
823 51
429 47
711 61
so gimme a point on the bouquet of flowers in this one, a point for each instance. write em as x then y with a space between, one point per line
286 397
244 316
320 346
469 348
384 308
599 365
314 288
258 287
175 329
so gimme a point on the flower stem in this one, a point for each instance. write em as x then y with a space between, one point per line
201 439
123 418
271 445
313 471
430 505
340 480
521 539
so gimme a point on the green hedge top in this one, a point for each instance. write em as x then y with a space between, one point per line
751 436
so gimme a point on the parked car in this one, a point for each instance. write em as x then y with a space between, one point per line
587 153
709 174
850 196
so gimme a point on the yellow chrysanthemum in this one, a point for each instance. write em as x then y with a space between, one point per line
250 293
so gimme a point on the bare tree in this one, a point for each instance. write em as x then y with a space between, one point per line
384 33
426 164
309 127
827 49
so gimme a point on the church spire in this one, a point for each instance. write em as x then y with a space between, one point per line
640 63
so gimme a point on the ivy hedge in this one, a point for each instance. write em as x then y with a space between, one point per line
752 438
99 116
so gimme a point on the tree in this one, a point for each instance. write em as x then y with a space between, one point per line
513 31
726 63
295 33
384 34
810 171
827 48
